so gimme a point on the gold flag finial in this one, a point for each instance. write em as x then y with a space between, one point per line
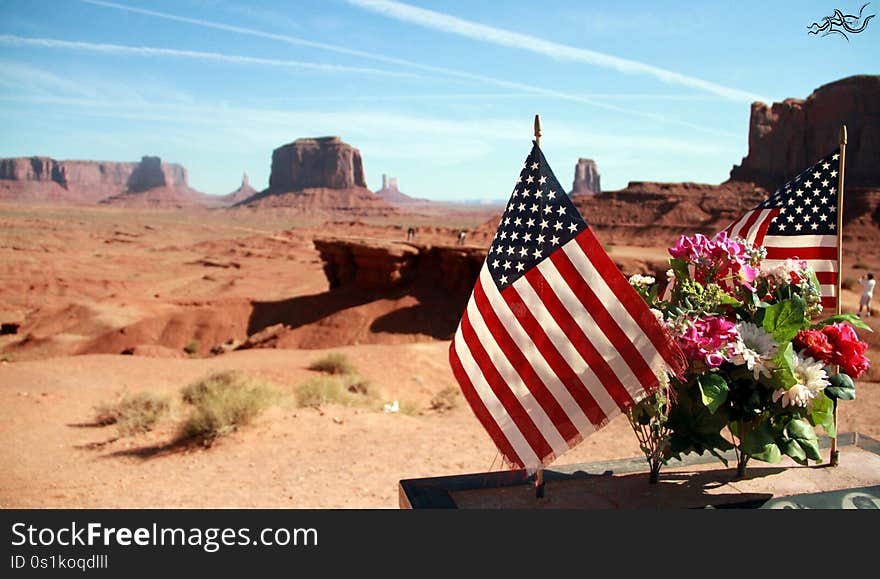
538 130
842 134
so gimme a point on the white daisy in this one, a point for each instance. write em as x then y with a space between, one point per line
756 349
811 379
641 280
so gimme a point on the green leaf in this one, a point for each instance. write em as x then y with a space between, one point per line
728 300
760 443
850 319
842 387
783 375
823 414
713 390
680 268
785 319
801 432
791 448
814 281
694 429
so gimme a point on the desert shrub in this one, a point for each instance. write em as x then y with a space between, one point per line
133 413
409 408
342 390
192 348
860 265
334 363
848 283
222 402
446 399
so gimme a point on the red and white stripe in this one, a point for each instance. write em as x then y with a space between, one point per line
819 251
753 225
558 353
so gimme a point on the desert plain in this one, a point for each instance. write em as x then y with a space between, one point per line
97 301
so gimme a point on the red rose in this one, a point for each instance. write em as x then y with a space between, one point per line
848 350
815 344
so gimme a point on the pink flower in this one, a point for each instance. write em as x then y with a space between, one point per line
709 340
720 260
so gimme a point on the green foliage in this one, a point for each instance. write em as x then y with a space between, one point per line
822 414
850 319
799 441
785 319
713 390
334 363
133 413
222 402
696 429
760 443
783 375
841 388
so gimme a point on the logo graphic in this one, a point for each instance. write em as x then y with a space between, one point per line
840 23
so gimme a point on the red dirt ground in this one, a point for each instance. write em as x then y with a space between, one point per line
82 282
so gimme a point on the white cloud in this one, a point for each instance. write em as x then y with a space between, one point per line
493 35
448 72
150 51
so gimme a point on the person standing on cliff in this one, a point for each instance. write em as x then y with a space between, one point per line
868 282
410 234
461 236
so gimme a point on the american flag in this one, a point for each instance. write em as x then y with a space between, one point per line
554 342
799 221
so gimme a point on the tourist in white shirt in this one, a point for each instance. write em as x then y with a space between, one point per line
868 283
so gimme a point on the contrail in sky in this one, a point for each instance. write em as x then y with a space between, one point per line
499 36
10 40
402 62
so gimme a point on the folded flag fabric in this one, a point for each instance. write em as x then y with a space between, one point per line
554 342
799 221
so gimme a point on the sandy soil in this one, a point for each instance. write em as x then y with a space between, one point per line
68 275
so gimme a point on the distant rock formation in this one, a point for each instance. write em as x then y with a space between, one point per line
322 163
243 193
46 179
787 137
390 193
319 177
586 178
150 173
379 266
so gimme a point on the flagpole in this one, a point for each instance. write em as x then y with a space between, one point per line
539 475
835 453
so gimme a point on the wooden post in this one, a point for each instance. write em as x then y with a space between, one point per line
539 476
835 453
538 130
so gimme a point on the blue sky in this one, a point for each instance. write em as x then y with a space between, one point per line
440 94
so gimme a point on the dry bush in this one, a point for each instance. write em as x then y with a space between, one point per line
192 348
223 402
334 363
133 413
446 399
341 390
849 283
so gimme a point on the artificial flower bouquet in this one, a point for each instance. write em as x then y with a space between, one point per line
764 365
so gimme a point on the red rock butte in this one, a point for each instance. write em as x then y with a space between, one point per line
787 137
319 175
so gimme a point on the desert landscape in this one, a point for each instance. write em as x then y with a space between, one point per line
120 279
